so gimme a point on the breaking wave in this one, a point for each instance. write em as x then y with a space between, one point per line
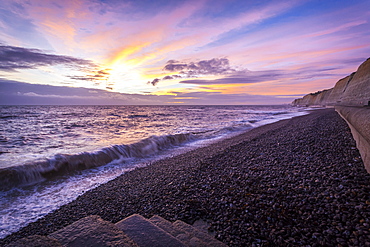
64 164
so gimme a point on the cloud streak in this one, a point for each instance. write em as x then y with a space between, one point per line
93 75
155 47
252 77
214 66
19 93
13 58
220 67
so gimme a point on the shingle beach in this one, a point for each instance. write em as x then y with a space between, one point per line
297 182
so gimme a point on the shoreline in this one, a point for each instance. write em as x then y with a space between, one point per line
288 182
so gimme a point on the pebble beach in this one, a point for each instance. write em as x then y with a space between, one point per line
296 182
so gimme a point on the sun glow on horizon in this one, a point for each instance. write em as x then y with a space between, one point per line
202 51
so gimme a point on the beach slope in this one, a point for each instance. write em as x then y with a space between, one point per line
295 182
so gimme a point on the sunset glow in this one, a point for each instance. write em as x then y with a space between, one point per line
184 52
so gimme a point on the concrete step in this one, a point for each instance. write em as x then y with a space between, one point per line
146 234
195 232
92 231
179 233
190 235
133 231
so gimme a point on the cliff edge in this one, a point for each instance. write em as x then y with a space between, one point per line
352 90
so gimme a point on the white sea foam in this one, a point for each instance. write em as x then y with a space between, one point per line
52 154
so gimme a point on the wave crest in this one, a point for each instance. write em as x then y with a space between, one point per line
64 164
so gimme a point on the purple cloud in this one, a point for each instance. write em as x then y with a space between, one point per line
20 93
13 58
171 77
154 82
98 75
248 77
213 66
193 71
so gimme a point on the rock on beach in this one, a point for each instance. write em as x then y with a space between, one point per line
297 182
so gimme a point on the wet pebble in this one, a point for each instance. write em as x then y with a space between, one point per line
285 184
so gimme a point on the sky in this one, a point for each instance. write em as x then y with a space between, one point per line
144 52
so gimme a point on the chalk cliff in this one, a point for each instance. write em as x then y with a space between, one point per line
352 90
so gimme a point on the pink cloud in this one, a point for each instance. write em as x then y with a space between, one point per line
108 32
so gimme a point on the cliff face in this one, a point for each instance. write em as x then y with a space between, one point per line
352 90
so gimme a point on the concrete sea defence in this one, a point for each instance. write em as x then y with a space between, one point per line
358 119
351 98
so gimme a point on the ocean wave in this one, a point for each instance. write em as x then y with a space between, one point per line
66 164
7 116
236 127
216 133
138 116
75 126
280 113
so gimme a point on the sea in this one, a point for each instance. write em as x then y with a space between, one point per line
50 155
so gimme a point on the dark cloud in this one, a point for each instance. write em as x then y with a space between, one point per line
171 77
154 82
220 67
81 78
13 58
213 66
103 72
241 77
175 66
97 75
192 72
248 77
172 61
20 93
